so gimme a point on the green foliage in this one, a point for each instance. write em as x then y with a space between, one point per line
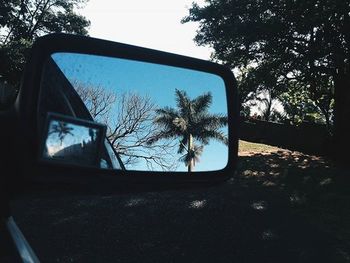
12 58
246 89
302 40
21 22
286 32
297 104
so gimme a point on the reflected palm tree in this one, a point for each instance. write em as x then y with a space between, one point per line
62 129
192 157
92 134
190 120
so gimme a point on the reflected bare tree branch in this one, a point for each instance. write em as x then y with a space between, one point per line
129 118
97 100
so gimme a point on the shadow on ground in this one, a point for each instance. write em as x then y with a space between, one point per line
317 189
281 207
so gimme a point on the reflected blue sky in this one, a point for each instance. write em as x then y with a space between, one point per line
156 81
78 134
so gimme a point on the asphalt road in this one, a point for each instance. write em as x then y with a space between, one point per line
230 222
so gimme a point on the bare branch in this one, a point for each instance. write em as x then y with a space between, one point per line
129 118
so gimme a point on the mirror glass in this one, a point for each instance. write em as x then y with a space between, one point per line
158 117
76 143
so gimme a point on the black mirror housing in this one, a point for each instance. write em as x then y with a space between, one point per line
27 105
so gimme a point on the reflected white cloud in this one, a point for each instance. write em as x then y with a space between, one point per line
52 149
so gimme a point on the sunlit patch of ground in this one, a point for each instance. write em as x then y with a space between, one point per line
197 204
134 202
250 148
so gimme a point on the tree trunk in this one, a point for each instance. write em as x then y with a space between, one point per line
267 113
189 149
342 117
326 114
328 122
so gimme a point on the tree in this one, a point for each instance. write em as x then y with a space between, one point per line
98 100
322 94
22 21
307 41
190 121
245 88
129 120
264 88
62 129
300 107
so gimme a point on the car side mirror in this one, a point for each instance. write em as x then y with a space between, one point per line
101 109
73 141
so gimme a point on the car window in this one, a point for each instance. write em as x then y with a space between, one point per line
59 96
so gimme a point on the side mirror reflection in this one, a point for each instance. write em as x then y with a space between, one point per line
72 141
157 117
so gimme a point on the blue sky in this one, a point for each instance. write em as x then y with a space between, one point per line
156 81
78 135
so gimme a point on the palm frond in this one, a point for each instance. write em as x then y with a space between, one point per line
212 121
164 134
212 134
192 155
202 103
180 123
182 99
165 117
182 145
183 103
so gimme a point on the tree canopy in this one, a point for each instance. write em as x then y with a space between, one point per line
22 21
285 35
291 41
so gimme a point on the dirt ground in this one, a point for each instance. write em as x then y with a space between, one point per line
280 206
318 189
